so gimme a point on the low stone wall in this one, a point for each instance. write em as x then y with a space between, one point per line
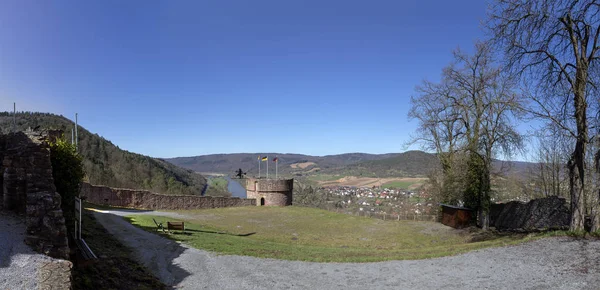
143 199
550 213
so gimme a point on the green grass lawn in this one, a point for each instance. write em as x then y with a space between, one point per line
324 177
399 184
218 182
298 233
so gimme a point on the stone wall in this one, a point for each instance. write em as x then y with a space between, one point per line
28 188
550 213
143 199
273 192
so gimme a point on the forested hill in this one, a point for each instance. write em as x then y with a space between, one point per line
288 163
107 164
408 164
411 163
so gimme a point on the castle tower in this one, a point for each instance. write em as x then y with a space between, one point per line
270 192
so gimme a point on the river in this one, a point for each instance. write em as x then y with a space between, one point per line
236 189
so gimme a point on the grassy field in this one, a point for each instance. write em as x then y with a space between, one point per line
219 183
400 184
297 233
324 177
217 186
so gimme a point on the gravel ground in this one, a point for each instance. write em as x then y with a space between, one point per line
20 267
552 263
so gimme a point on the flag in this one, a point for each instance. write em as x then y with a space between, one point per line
275 159
265 159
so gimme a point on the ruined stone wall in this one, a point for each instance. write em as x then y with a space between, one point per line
143 199
28 188
274 192
550 213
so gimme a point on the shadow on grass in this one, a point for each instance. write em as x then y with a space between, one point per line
187 232
219 233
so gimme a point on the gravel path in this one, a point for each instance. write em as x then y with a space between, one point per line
21 267
553 263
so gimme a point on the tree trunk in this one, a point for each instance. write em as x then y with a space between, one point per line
484 217
577 162
577 197
483 212
596 204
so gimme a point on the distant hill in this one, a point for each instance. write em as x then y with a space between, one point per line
107 164
408 164
411 163
288 163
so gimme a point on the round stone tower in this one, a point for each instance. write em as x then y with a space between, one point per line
272 192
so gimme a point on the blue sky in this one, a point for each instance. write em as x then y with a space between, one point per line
183 78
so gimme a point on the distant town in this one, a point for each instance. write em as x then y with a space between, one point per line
380 200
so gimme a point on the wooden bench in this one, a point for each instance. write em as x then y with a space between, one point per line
177 226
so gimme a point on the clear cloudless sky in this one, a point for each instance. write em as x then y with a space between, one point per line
184 78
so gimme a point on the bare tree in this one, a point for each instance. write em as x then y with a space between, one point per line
549 177
439 130
470 113
555 44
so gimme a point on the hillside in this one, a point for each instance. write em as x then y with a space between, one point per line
289 164
407 164
107 164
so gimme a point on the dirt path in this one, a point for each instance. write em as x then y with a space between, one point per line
20 266
554 263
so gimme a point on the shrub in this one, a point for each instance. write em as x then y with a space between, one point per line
67 170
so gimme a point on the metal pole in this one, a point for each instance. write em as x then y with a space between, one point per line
267 166
259 166
79 219
14 117
72 136
276 160
76 136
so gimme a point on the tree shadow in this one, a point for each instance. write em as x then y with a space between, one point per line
215 232
154 251
187 232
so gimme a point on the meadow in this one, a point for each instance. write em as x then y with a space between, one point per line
308 234
401 184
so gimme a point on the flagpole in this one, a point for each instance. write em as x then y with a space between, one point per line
259 167
267 166
276 160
